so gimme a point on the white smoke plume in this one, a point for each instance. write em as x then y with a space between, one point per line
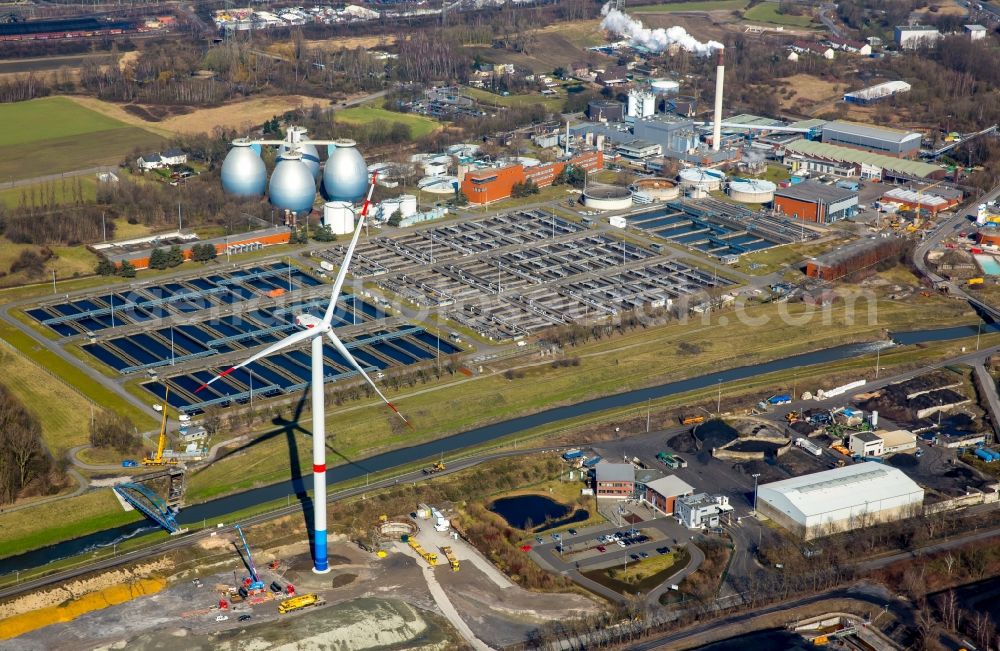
654 40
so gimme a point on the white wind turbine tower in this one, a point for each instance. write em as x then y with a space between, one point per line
314 330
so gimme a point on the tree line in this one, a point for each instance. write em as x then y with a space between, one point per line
24 461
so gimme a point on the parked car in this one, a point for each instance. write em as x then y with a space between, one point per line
621 544
221 618
634 557
643 554
602 548
556 537
662 550
572 532
244 618
539 540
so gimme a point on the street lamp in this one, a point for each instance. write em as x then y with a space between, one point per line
718 404
755 476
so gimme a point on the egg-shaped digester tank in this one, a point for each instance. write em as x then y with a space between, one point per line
346 175
243 172
292 185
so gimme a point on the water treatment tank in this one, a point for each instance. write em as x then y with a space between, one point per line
700 178
752 191
664 86
292 185
339 216
346 175
243 171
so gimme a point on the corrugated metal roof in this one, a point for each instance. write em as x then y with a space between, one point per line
868 131
857 156
909 196
670 486
615 472
808 124
840 488
815 191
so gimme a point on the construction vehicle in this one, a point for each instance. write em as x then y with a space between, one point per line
663 457
841 449
158 460
452 560
252 583
436 468
297 603
974 281
430 557
792 416
692 420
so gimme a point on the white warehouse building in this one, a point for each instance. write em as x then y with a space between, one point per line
841 499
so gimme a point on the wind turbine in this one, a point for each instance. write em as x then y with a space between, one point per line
314 330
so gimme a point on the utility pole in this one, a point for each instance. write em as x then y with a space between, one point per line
180 221
718 404
104 227
878 358
648 414
979 330
53 281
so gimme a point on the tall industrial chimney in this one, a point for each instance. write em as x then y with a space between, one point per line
720 72
566 148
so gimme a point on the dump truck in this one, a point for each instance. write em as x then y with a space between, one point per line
437 467
692 420
297 603
430 557
452 560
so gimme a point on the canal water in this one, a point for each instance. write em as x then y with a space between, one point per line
431 449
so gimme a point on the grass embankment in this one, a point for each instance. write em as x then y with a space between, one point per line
63 413
639 577
419 125
769 260
639 358
45 524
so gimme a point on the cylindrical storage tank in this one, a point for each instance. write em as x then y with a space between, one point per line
339 216
989 237
664 86
407 204
608 198
701 179
346 175
243 172
650 190
752 191
292 185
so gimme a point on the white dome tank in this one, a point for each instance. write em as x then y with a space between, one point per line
243 172
346 175
752 190
701 178
292 185
664 86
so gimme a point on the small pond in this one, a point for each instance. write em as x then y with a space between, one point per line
536 512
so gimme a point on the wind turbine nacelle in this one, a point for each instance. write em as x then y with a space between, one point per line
307 321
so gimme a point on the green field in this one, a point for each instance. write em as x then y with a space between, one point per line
63 190
767 12
54 134
48 119
419 125
697 5
553 102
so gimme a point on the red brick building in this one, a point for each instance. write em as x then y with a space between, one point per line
614 480
662 494
489 185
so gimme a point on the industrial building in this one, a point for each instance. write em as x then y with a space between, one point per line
890 142
641 104
614 480
495 183
662 494
701 510
877 93
816 202
606 110
926 203
825 158
911 37
866 444
841 499
137 251
856 256
975 32
899 440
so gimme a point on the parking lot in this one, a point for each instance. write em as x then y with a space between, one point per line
513 274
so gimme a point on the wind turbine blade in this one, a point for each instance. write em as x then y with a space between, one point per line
346 354
290 340
342 274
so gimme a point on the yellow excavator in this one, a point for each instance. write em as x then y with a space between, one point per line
158 460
